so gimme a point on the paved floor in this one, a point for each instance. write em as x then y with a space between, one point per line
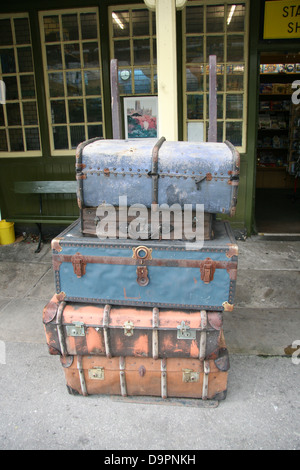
261 410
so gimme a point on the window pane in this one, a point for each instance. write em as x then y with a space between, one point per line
76 111
235 82
32 139
94 109
54 60
125 81
13 114
74 83
195 107
72 56
234 106
215 19
140 22
92 82
60 137
194 49
22 31
16 140
234 132
51 28
77 135
56 84
141 49
3 141
215 46
6 38
236 18
235 48
11 88
70 27
58 112
90 54
194 78
88 25
30 113
25 59
120 21
27 86
95 131
122 52
8 61
1 116
142 80
194 19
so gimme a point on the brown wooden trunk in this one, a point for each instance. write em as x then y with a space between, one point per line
105 330
90 221
133 376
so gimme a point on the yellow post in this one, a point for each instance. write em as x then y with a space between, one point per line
166 65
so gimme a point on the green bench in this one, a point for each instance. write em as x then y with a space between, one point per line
40 188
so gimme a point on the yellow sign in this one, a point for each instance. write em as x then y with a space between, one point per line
282 19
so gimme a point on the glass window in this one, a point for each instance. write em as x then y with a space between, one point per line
134 46
220 30
19 124
72 59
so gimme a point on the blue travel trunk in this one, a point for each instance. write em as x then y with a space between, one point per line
152 273
163 172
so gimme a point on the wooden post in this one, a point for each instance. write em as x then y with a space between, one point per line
212 129
115 100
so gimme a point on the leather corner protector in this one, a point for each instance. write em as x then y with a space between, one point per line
228 307
49 312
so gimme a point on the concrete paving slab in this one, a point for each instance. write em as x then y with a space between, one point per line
270 255
261 331
45 287
3 303
261 411
267 289
25 252
21 321
16 278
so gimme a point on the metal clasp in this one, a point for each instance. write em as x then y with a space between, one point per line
142 276
128 328
79 264
189 375
77 329
184 331
96 373
207 270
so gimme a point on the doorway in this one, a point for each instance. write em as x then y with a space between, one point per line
278 146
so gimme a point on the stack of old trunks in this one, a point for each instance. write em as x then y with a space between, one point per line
139 302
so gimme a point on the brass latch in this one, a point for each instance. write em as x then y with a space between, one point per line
189 375
142 276
77 329
128 328
184 331
207 270
79 265
96 373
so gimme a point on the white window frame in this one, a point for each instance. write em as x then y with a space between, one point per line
205 120
18 74
64 70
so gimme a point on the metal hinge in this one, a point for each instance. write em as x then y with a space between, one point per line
184 331
97 373
77 329
189 375
128 328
